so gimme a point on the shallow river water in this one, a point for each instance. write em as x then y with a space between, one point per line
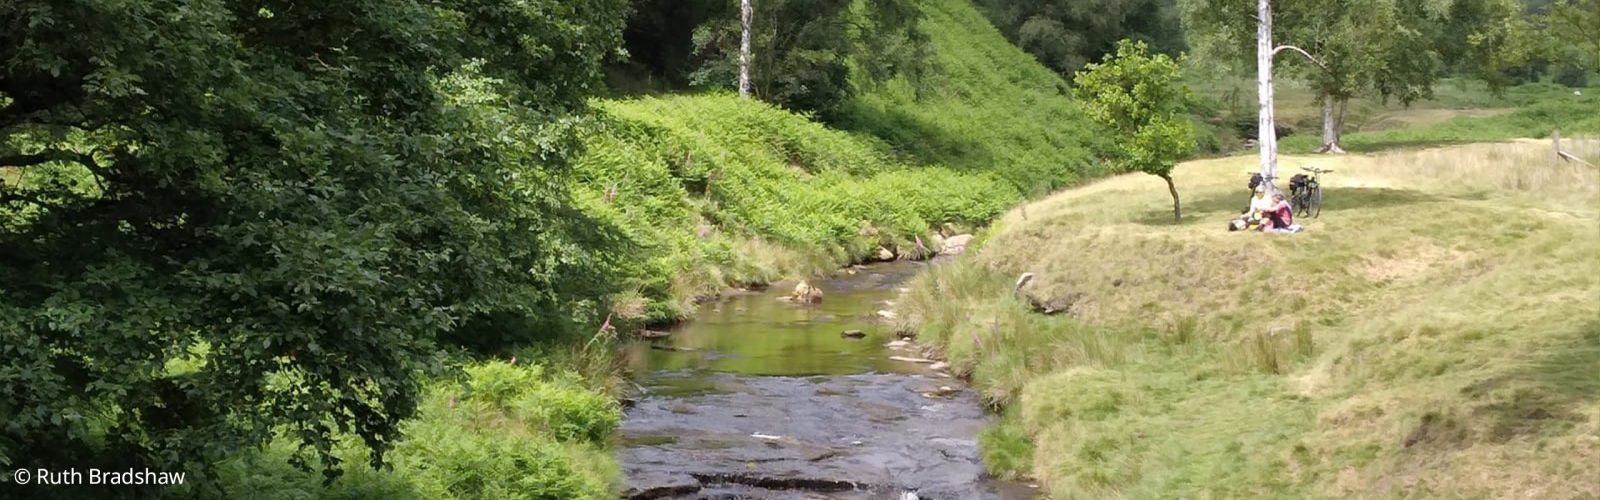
759 398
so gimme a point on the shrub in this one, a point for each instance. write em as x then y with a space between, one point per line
503 431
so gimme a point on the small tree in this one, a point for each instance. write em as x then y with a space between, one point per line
1139 98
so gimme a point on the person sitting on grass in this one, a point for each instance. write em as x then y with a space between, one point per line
1252 216
1279 216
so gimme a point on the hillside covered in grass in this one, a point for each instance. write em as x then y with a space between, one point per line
1433 334
982 105
717 191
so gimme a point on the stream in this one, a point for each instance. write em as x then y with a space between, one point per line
761 398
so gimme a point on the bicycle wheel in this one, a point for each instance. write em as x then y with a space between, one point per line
1315 204
1299 200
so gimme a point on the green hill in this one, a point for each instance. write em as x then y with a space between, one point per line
984 105
716 191
719 191
1434 333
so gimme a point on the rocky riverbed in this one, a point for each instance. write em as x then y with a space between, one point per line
759 398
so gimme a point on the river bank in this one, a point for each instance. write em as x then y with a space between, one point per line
1427 336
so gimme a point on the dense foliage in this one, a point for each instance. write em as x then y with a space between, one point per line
809 55
224 221
499 430
1574 27
1066 35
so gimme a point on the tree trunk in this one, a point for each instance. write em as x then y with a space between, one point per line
1268 137
1332 123
1344 105
1177 209
744 47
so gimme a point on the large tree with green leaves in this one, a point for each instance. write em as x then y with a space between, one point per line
1140 99
1574 25
1390 49
224 221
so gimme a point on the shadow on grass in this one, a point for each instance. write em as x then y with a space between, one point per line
1544 393
1206 209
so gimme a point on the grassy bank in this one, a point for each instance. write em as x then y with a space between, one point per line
720 191
1433 334
498 430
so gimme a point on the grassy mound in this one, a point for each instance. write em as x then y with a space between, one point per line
1435 333
983 105
720 191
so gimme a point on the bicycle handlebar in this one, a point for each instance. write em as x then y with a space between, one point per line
1316 170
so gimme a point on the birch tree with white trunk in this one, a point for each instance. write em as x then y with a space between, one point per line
746 11
1386 49
1267 138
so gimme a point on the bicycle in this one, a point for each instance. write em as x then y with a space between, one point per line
1306 192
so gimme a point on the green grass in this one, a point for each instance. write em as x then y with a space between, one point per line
720 191
717 191
499 431
1571 114
1433 334
984 105
1460 111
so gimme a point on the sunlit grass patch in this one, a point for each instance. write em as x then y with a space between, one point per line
502 431
1431 334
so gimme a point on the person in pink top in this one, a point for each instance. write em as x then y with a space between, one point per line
1279 215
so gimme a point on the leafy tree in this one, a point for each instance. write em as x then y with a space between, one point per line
806 55
222 221
1492 40
1065 35
1575 26
1390 49
803 49
1140 99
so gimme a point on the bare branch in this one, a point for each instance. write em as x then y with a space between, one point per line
1301 51
1570 157
10 196
49 155
18 161
101 174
